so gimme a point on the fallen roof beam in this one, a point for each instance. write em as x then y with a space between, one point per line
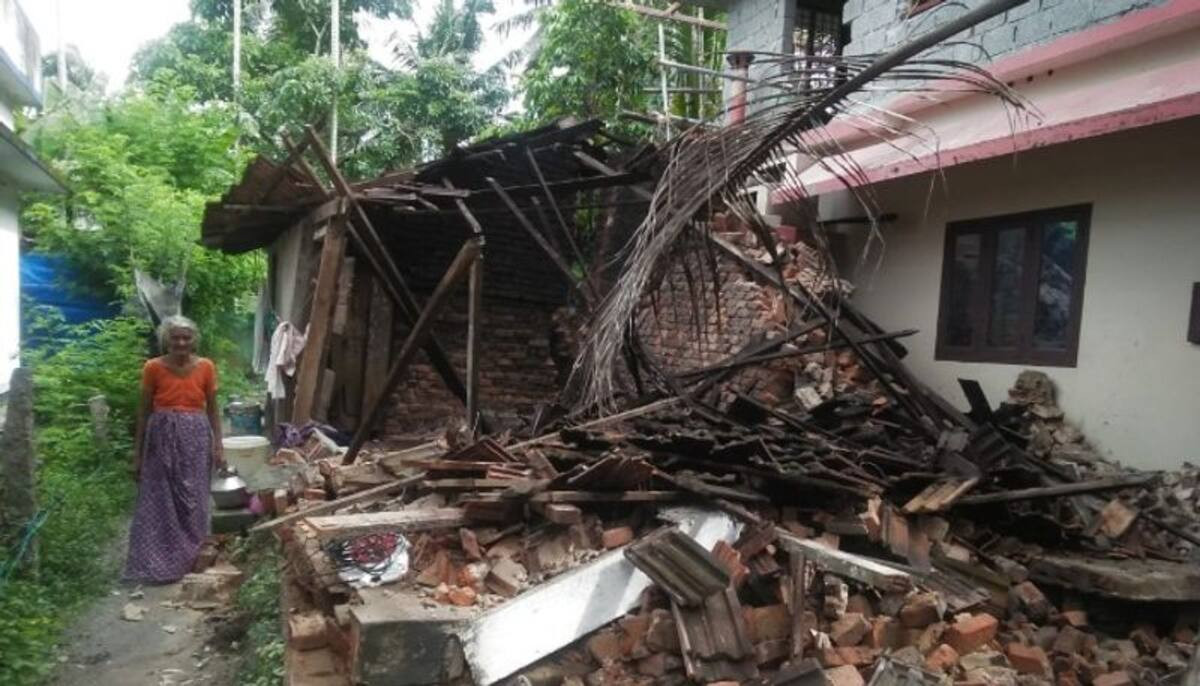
349 525
331 505
1093 486
671 16
872 572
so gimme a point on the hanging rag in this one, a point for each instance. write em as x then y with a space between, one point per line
286 344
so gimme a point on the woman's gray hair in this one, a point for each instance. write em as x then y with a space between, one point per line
176 321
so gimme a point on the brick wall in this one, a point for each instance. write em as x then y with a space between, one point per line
517 369
683 338
879 25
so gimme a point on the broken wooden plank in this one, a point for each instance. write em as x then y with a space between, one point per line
344 526
416 339
320 321
468 484
1076 488
868 571
1128 579
939 495
328 506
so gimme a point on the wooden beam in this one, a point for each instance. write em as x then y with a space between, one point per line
320 321
585 290
371 522
1075 488
474 327
671 16
331 505
541 179
864 569
363 233
416 339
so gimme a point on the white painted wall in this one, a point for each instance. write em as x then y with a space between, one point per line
1135 391
10 286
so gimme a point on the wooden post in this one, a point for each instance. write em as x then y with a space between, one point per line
474 312
320 321
372 248
356 347
18 499
584 290
379 345
416 338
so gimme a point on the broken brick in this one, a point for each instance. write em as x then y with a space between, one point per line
1145 637
768 653
1121 678
616 537
861 604
768 623
633 633
971 633
884 633
1076 618
605 647
731 560
506 577
1028 659
463 596
470 544
306 631
920 611
661 635
1069 641
942 659
1029 599
440 571
849 629
846 675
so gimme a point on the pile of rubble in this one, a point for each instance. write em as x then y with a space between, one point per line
844 525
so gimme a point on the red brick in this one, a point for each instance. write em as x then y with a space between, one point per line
1070 641
971 633
1075 618
1113 679
942 659
633 633
769 623
470 544
617 537
463 596
661 635
1030 600
920 611
306 631
846 675
884 633
849 629
861 604
1028 659
605 647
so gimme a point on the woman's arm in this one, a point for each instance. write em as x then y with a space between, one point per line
214 418
145 402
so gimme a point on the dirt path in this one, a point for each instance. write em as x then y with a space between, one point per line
168 646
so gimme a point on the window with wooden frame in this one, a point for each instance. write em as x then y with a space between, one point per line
1012 288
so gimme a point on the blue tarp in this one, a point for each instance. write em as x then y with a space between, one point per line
43 281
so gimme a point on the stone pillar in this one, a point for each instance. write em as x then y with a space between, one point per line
18 501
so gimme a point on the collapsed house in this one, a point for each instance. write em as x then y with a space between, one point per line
693 460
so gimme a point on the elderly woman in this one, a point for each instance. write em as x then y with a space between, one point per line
177 443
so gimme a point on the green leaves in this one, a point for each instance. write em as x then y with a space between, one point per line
593 61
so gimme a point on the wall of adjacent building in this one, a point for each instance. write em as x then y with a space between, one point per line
1136 387
10 286
879 25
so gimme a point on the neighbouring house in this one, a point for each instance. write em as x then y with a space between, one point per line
20 169
1066 241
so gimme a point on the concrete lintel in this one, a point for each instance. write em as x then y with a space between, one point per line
562 610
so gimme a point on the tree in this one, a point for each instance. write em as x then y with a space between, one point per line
302 24
141 167
593 60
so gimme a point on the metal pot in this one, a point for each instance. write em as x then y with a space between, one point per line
229 491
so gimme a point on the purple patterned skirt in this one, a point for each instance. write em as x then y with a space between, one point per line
170 522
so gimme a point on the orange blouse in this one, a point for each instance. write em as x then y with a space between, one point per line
174 392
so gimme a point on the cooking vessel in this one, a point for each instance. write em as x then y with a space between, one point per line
229 491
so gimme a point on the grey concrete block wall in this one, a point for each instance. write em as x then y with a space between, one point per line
879 25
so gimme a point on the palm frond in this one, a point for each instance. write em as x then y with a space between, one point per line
707 166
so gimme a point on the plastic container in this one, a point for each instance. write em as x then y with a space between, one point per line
245 418
250 456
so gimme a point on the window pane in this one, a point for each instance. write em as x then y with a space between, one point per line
964 280
1004 326
1052 319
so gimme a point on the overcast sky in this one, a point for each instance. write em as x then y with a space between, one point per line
109 32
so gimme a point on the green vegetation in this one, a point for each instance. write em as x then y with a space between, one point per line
258 607
84 484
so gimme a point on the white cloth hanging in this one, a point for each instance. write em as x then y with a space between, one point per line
286 344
